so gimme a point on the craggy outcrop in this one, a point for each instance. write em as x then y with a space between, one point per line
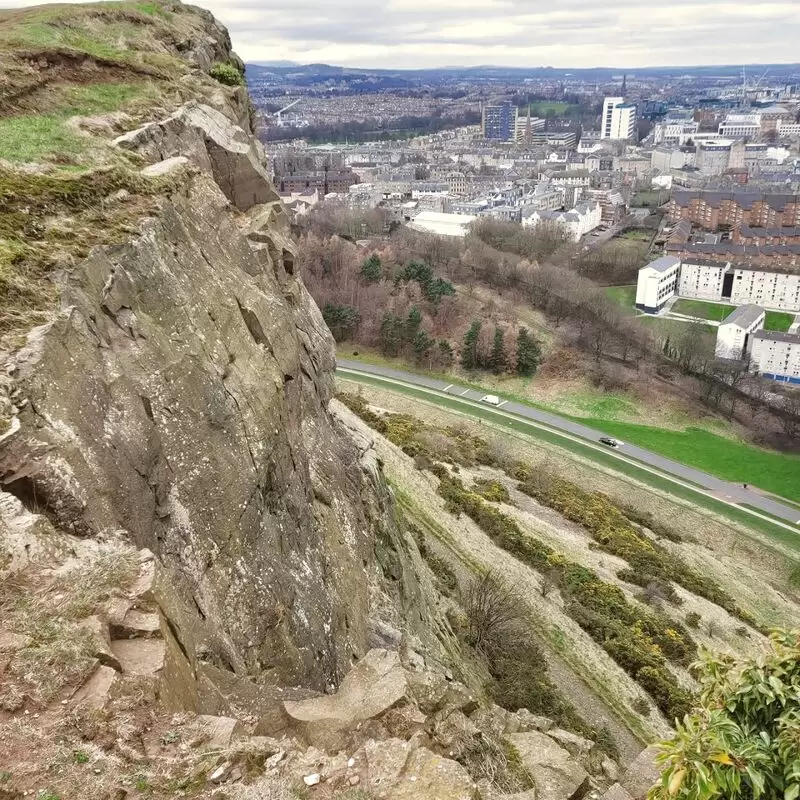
179 397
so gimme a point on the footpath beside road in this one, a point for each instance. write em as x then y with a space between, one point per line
734 494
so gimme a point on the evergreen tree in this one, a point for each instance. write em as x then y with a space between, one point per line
529 353
371 269
412 325
342 320
445 354
422 345
498 360
469 349
390 336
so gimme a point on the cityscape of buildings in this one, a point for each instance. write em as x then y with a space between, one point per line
720 165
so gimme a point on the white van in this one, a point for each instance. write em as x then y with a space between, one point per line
491 399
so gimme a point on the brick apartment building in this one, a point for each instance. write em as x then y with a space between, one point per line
710 209
760 237
784 257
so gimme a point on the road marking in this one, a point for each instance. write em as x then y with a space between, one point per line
706 492
500 405
461 395
447 388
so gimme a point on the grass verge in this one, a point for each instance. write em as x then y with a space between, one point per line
685 491
723 457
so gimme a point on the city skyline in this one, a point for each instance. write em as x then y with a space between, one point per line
434 33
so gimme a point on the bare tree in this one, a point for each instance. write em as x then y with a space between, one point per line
494 610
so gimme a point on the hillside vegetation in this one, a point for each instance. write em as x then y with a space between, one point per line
503 279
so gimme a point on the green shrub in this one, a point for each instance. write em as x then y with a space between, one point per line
493 491
226 73
693 619
635 638
649 562
743 741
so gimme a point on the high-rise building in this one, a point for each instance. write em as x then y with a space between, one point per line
500 122
619 119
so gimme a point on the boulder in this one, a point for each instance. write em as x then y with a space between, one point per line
139 656
642 774
616 792
451 729
217 733
100 642
136 625
433 692
556 775
376 684
575 745
525 721
428 776
96 692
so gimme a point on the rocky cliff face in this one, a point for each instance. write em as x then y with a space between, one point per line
179 398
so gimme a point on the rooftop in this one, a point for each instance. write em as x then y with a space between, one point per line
663 264
744 316
777 336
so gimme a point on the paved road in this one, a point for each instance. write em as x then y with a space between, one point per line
721 489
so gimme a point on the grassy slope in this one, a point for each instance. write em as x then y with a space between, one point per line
694 496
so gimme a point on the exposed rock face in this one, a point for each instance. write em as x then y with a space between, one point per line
181 395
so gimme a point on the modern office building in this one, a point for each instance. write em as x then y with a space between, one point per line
619 119
500 122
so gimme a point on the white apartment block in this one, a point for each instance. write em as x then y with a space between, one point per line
788 130
775 290
733 335
702 280
776 355
619 119
657 282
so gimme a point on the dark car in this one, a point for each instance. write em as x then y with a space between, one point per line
607 440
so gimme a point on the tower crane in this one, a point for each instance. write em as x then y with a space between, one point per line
279 114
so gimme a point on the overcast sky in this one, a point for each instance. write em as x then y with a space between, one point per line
561 33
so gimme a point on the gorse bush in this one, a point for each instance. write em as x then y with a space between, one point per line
649 562
640 641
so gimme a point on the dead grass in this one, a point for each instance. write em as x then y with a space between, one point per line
50 221
47 611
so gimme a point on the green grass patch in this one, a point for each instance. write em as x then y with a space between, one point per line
738 462
42 137
778 321
703 309
624 296
774 321
31 137
636 235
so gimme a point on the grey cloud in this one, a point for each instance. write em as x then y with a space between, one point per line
625 33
